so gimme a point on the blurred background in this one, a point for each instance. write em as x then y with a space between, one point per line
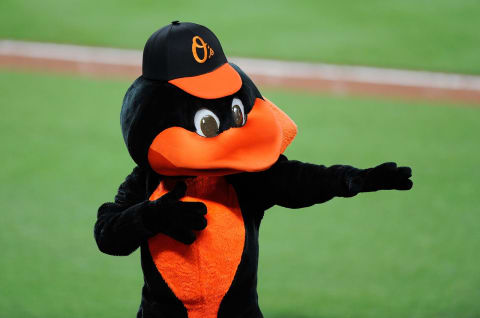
388 254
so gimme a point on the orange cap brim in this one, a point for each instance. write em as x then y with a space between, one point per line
253 147
221 82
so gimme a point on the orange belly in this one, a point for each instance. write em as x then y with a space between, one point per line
201 274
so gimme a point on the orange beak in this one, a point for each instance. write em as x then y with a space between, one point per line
254 147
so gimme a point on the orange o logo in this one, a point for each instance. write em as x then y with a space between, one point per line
199 43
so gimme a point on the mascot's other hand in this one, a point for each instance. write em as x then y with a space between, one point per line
386 176
175 218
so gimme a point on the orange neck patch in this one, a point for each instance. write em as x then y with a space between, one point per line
201 274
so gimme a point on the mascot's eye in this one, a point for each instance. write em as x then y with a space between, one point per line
206 123
238 113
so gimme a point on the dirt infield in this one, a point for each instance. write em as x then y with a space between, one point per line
335 79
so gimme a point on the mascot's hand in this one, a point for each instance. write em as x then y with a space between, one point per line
175 218
386 176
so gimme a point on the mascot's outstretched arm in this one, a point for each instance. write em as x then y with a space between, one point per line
122 225
294 184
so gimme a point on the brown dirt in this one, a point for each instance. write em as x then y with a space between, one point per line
336 87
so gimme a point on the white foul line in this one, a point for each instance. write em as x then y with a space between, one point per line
254 67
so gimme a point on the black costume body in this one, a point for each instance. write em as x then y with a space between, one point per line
121 229
134 218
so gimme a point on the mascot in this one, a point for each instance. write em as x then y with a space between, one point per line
208 148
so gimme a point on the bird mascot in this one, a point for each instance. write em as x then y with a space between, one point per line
208 148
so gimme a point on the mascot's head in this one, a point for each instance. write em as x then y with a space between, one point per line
193 113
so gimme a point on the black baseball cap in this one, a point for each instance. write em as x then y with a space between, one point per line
189 56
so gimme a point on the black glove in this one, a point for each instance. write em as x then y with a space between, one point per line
175 218
386 176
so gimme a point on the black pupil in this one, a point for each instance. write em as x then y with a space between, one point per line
209 126
237 115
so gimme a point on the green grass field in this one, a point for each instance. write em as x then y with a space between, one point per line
389 254
437 35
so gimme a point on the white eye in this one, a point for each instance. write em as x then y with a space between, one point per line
206 123
238 113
